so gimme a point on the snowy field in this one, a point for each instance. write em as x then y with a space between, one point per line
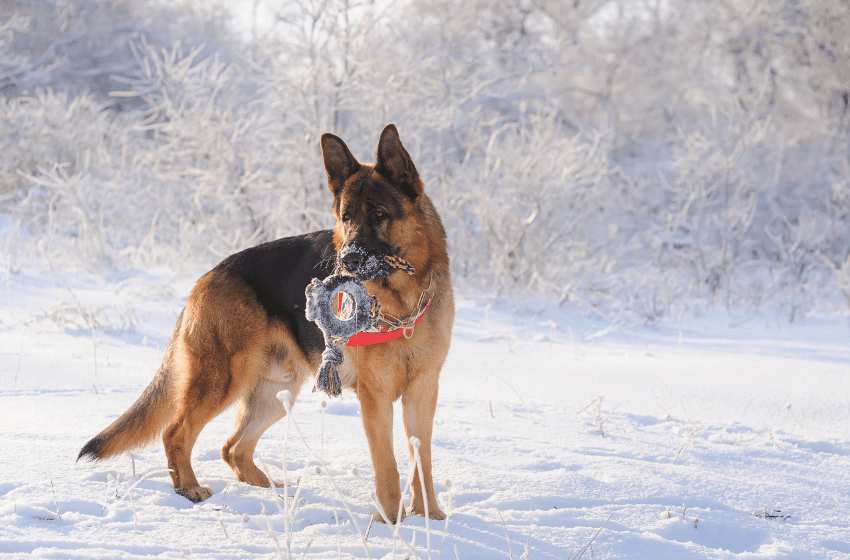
699 440
637 161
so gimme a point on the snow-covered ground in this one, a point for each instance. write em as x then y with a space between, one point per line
698 439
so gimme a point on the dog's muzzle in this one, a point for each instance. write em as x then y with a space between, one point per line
363 264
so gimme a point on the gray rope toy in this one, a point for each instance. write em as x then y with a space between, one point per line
319 309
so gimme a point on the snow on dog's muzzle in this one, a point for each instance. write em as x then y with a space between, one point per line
363 264
367 266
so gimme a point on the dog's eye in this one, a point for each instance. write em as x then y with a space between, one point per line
346 217
378 216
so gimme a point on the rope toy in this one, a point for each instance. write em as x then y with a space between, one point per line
319 309
399 263
359 312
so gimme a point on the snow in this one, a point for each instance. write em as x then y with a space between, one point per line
699 438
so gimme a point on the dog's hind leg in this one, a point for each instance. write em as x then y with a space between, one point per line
179 438
256 412
205 389
276 363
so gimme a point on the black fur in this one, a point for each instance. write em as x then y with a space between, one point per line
279 272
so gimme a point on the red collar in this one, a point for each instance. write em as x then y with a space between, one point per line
384 334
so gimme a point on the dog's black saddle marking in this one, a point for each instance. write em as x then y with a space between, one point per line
279 272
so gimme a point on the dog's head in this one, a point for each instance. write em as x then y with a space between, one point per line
378 207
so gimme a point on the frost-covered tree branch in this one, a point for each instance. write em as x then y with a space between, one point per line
637 158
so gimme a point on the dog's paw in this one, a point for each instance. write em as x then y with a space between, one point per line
392 518
264 483
195 494
433 512
436 514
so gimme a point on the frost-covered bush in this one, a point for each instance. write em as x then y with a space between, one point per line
635 158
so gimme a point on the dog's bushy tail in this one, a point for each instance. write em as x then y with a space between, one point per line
137 427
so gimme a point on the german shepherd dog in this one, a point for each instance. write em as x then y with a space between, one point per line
243 336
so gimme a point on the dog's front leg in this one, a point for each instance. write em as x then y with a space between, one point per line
419 402
377 410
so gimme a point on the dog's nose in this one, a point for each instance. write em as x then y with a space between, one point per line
352 260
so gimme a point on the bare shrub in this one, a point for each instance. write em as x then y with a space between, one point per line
632 159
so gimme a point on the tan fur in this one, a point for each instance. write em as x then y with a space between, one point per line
405 368
225 350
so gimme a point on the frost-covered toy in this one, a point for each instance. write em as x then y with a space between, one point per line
359 316
357 312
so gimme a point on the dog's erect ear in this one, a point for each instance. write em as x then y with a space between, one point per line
339 163
394 163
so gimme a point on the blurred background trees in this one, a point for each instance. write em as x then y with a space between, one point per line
638 158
